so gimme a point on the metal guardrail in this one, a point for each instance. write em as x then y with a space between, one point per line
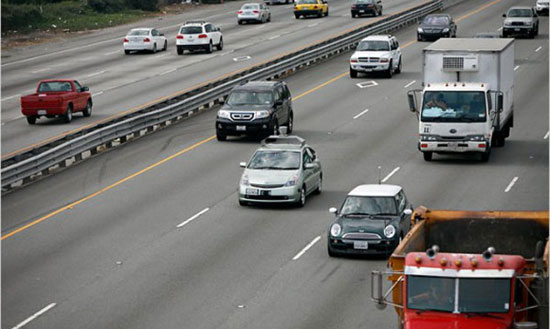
22 168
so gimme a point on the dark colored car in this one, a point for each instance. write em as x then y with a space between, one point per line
366 7
436 26
256 108
372 221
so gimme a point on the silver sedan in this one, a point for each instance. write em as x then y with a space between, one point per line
144 39
253 12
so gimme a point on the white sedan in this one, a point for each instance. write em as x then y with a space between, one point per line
253 12
144 39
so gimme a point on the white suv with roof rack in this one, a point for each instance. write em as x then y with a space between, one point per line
376 53
198 35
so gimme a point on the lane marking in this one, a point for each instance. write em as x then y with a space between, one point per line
197 215
227 52
410 84
367 84
478 10
303 251
360 114
390 174
34 316
320 86
511 184
274 37
41 70
517 67
105 189
10 97
112 52
538 49
169 71
312 25
97 94
546 136
241 58
94 74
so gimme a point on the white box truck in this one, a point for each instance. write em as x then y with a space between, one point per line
467 104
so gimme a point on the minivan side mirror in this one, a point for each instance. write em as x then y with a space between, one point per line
242 164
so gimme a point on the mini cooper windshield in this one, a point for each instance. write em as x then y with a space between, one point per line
275 160
361 205
250 98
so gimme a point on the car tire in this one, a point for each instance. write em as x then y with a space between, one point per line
319 185
239 22
297 16
154 48
220 45
389 72
243 203
419 38
180 50
400 66
210 48
221 137
68 116
302 201
352 73
126 52
381 10
486 155
326 15
330 252
88 109
275 126
427 156
499 139
31 120
352 15
165 48
269 17
290 123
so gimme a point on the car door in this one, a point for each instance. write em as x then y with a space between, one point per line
283 115
317 170
396 53
159 40
308 173
278 105
402 204
79 98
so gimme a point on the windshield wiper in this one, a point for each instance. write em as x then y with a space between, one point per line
487 315
383 214
431 309
356 214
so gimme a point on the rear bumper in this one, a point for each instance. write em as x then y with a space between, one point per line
42 112
308 12
445 146
363 11
242 18
137 47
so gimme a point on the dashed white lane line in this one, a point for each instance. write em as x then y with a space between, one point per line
517 67
94 74
241 58
193 218
303 251
34 316
10 97
97 94
360 114
169 71
410 84
511 184
312 25
538 49
113 52
274 37
390 174
158 56
41 70
547 134
227 52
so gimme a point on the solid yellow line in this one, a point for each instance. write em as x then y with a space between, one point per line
105 189
320 86
485 6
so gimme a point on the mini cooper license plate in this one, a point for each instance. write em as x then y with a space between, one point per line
252 191
241 128
360 245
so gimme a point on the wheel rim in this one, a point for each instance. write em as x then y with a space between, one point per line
303 196
290 123
155 48
320 187
210 47
275 129
88 108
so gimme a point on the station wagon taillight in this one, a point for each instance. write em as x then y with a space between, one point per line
179 36
202 36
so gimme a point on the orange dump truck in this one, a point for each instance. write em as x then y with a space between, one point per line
469 269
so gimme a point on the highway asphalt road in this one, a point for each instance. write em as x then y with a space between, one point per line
119 82
102 248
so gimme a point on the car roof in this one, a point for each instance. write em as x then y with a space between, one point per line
520 7
287 142
375 190
443 15
257 85
250 3
383 37
195 23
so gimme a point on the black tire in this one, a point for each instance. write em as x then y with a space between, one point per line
297 16
180 50
240 22
31 120
399 67
320 14
330 252
389 72
320 185
68 116
220 137
352 73
88 110
290 123
165 48
127 52
302 201
326 13
210 48
154 48
269 17
537 30
220 45
243 203
499 139
418 37
275 126
486 155
427 156
352 15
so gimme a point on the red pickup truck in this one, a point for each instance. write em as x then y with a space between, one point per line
57 98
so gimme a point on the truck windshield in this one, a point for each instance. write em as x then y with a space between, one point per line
430 293
454 106
363 205
484 295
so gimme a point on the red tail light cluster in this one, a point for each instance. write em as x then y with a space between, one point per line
202 36
125 40
179 36
353 6
315 7
255 12
240 12
146 40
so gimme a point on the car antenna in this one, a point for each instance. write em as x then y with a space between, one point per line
379 174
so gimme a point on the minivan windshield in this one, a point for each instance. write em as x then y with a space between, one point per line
275 160
453 106
366 205
250 98
373 45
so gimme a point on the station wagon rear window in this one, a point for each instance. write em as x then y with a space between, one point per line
191 30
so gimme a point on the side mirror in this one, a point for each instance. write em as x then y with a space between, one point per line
408 212
377 293
309 166
161 34
503 15
412 102
218 28
279 102
85 88
332 210
242 164
500 102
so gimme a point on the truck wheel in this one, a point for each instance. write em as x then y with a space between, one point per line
31 120
389 72
500 140
180 50
427 156
485 155
398 70
88 110
352 73
68 116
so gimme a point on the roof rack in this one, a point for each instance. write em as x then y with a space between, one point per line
277 139
196 22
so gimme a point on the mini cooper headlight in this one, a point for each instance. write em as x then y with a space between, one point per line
389 231
335 229
223 114
262 114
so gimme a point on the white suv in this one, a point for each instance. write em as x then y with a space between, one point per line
542 6
376 53
198 35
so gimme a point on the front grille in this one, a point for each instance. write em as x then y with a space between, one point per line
267 185
518 23
242 116
361 236
266 197
432 30
368 59
453 138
